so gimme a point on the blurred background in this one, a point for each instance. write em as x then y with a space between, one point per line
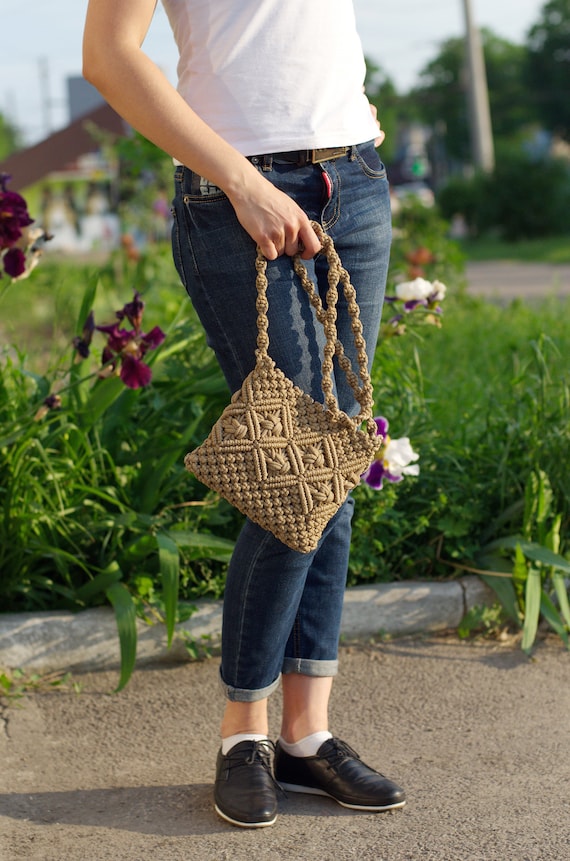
472 95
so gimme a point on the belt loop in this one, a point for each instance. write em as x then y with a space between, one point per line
267 162
352 151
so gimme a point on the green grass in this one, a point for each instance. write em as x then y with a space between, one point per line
553 249
485 401
39 315
97 506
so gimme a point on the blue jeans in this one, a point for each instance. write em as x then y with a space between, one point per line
282 609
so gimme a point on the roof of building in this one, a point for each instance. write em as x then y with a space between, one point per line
31 165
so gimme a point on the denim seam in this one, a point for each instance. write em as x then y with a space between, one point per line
368 171
244 609
212 308
334 199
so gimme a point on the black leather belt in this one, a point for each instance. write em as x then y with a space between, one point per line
305 156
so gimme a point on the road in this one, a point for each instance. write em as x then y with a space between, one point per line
476 733
508 280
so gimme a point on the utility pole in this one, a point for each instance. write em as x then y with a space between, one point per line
43 67
478 95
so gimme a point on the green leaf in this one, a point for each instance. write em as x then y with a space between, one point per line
553 618
169 564
211 546
125 616
562 595
520 566
102 395
533 594
505 592
87 304
552 537
530 504
544 498
533 551
546 557
100 583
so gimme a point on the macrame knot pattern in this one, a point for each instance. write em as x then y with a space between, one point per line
283 459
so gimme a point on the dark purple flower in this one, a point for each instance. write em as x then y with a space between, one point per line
13 215
117 339
82 342
133 311
14 262
381 426
134 373
130 346
53 402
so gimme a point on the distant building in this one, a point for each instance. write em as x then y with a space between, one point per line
70 184
82 97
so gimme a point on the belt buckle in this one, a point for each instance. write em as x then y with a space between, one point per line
327 153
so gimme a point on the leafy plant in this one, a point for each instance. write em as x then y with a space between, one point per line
482 619
93 494
537 588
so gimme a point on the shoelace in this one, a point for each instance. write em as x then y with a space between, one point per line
339 750
261 752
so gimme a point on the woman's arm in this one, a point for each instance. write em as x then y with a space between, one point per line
113 61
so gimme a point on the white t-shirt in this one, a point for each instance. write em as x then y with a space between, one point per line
273 75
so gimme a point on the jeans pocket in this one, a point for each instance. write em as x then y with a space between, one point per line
370 162
178 225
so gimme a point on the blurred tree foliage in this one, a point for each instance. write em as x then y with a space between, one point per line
441 96
548 66
10 139
382 93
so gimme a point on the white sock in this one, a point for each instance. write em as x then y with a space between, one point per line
232 740
307 746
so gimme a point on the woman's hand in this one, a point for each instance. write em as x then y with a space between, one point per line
379 140
273 219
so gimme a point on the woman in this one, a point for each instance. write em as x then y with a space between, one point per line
269 128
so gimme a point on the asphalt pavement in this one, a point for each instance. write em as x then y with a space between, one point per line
477 734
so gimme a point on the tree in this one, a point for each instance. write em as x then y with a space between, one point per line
441 96
10 139
548 66
382 93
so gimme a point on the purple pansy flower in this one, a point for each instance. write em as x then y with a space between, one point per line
419 292
393 461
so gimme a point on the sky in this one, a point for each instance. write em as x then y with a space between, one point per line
42 46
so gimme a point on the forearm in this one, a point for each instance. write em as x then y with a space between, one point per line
114 62
134 86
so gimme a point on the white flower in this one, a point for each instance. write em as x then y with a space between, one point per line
414 291
398 457
438 291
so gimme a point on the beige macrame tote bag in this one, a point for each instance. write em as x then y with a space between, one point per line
281 458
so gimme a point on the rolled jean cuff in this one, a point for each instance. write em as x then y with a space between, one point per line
308 667
243 695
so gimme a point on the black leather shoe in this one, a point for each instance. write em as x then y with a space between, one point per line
338 771
245 793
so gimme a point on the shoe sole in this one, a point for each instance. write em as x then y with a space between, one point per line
229 819
310 790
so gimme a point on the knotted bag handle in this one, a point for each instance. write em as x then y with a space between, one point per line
359 383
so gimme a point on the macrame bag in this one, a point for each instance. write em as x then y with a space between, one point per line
280 457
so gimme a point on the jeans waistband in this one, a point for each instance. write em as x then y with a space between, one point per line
301 157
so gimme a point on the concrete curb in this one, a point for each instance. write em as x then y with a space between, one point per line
62 641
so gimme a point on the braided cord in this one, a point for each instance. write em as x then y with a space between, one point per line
360 384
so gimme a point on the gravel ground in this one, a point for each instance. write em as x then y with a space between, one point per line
477 733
